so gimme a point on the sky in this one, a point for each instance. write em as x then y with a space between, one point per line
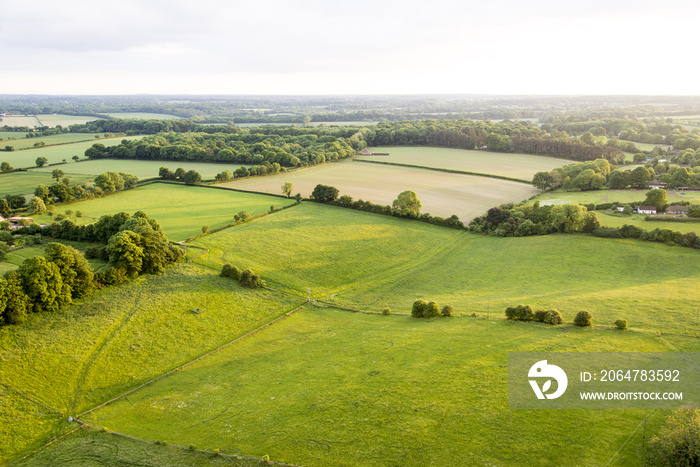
359 47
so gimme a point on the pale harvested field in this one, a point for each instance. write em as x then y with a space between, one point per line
19 120
522 166
442 194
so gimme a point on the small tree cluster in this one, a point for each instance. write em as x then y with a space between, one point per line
325 193
548 316
423 309
621 324
583 319
246 277
520 313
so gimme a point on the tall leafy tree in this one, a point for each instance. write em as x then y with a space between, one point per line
43 284
74 269
407 204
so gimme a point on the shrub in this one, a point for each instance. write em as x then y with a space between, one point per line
431 310
583 318
540 315
226 270
524 312
621 324
448 310
418 307
677 443
510 312
249 279
235 273
553 317
205 229
386 311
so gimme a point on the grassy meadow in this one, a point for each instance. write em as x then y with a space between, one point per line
180 210
328 387
10 135
605 196
522 166
65 138
142 116
56 154
608 219
442 194
362 260
142 169
23 183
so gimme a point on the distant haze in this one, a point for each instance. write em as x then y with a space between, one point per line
359 47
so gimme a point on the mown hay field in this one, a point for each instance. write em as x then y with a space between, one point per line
442 194
522 166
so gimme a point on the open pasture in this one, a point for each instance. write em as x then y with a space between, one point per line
23 183
367 261
520 166
123 336
180 210
442 194
607 219
56 154
142 169
142 116
53 120
6 136
328 387
605 196
65 138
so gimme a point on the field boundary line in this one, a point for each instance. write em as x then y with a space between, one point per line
624 446
449 171
46 445
184 448
30 398
201 357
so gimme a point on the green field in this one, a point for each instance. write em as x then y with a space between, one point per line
142 116
363 260
22 183
64 138
608 219
442 194
180 210
53 120
55 154
521 166
92 447
326 387
142 169
17 256
10 135
644 146
605 196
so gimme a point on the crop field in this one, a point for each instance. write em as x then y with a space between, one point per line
442 194
362 260
142 116
180 210
607 219
142 169
28 143
605 196
521 166
328 387
53 120
20 120
56 154
22 183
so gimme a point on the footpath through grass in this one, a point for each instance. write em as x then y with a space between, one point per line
126 335
328 387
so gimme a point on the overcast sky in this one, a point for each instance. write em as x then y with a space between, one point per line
357 47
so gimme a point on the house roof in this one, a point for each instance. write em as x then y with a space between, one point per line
646 208
677 208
